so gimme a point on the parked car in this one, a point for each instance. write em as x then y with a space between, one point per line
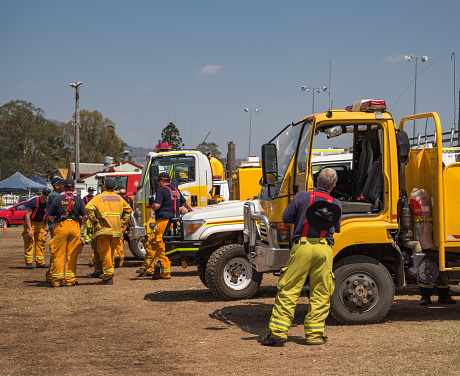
13 215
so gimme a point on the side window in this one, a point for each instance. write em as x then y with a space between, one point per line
21 207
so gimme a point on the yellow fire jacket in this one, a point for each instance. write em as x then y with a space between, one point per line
108 212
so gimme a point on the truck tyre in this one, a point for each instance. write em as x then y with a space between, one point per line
229 274
201 268
364 291
137 247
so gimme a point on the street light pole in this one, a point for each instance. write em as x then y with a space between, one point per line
408 59
318 90
256 110
76 86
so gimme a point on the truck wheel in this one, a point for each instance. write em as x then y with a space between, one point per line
364 291
137 247
229 274
201 268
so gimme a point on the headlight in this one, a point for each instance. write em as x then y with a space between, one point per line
282 230
192 226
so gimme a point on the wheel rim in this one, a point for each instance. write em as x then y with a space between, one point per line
238 273
2 222
141 246
359 292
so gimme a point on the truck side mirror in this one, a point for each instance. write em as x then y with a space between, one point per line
154 171
403 146
269 164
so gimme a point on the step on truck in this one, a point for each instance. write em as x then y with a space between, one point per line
385 239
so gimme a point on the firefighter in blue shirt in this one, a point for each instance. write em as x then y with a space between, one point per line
67 212
167 204
35 231
316 216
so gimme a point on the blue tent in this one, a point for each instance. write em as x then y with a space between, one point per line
38 179
18 182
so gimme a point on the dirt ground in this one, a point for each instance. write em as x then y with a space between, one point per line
177 327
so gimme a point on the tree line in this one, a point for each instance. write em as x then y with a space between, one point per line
30 143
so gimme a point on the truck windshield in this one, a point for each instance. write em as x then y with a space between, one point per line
287 150
144 172
180 168
120 181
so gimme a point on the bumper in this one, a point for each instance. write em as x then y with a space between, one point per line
178 249
266 259
138 231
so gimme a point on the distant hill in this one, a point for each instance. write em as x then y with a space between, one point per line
138 153
57 122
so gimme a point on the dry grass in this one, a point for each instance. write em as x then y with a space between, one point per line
176 327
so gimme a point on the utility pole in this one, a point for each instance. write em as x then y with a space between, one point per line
76 86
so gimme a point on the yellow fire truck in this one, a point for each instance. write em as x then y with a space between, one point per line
380 244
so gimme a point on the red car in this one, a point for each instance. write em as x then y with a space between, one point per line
13 215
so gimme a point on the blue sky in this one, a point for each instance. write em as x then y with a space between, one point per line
200 63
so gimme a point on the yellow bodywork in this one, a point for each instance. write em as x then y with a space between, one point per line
246 183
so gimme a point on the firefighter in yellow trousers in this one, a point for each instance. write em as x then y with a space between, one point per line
58 188
316 217
35 231
119 256
108 213
67 212
167 204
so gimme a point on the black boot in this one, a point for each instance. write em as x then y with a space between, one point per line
444 296
426 296
157 271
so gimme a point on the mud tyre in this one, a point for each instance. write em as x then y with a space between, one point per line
137 247
364 291
201 268
229 274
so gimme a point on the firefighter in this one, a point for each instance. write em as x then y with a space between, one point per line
168 201
87 230
58 188
108 213
35 231
67 212
426 290
119 256
316 216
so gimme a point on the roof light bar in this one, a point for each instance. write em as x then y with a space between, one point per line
367 105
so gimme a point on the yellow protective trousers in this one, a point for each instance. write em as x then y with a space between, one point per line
311 257
95 257
50 245
119 250
106 245
88 231
66 245
158 247
39 240
149 251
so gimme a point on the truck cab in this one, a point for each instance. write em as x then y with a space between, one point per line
190 169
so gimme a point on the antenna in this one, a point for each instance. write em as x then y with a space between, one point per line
206 136
330 69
